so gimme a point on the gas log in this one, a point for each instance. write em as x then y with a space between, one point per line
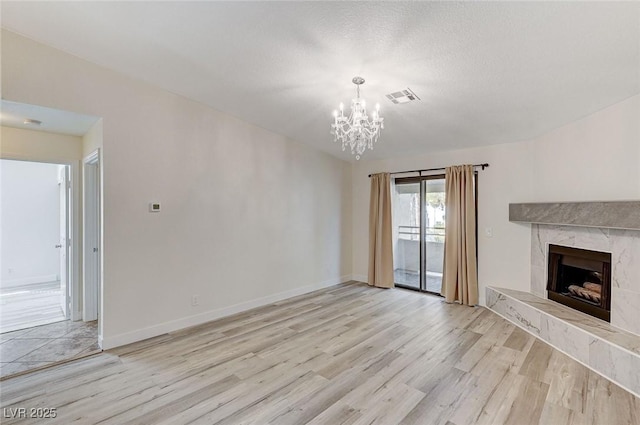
593 287
585 293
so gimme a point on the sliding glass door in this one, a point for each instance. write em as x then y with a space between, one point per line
434 230
419 229
406 228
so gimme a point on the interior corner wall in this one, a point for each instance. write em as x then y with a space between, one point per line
92 140
594 158
247 216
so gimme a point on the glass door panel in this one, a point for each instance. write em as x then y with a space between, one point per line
434 231
406 237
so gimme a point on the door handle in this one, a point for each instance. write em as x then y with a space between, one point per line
58 246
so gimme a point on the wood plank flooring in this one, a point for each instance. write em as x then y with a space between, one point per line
349 354
30 305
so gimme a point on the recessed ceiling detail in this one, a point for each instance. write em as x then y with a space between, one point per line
40 118
403 96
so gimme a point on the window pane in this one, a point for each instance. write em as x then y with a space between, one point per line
434 233
406 229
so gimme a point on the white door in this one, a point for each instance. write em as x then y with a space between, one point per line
63 246
91 231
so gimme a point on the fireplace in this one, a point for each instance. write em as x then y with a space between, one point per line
580 279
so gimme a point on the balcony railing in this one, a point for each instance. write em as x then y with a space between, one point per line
412 233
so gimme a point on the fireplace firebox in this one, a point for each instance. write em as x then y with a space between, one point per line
580 279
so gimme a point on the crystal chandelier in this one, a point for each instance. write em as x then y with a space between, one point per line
357 130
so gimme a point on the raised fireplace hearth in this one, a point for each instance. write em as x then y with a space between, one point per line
606 349
580 279
610 349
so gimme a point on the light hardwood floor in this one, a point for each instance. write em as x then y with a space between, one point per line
349 354
30 305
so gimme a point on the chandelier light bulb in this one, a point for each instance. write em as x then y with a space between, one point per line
335 113
341 106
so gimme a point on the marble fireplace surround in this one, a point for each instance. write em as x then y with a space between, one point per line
598 226
613 350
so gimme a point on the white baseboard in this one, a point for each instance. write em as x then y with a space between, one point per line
198 319
360 278
28 281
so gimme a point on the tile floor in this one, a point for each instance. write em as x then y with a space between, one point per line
44 345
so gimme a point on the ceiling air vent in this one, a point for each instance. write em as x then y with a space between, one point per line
402 96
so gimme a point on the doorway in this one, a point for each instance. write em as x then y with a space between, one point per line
40 323
58 141
35 288
419 231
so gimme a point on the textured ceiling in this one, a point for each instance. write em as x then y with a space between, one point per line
487 72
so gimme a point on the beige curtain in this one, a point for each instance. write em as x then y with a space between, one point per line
460 278
380 235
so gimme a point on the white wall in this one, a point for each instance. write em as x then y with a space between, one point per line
39 145
247 215
30 223
595 158
92 141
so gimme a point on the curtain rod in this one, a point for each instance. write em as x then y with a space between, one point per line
485 165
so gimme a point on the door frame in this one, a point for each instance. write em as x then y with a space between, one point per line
64 189
423 242
74 263
420 179
92 236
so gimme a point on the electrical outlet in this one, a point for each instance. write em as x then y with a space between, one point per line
195 300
